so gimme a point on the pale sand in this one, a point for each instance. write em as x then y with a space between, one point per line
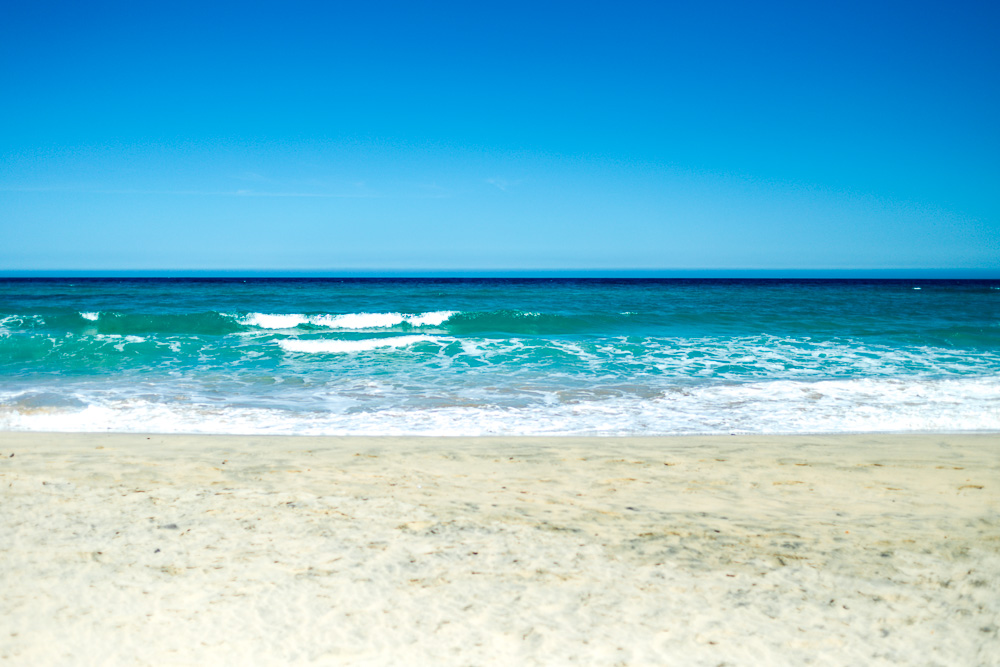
839 550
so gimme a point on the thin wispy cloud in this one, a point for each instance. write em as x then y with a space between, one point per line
196 193
502 183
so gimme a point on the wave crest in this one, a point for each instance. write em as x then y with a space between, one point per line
354 321
346 346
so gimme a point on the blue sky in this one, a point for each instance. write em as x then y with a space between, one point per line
442 136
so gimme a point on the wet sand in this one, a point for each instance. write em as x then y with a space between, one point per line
783 550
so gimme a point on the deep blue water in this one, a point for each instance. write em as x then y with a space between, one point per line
504 356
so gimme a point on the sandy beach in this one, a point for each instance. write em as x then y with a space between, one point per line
739 550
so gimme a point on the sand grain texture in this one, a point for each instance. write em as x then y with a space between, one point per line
828 550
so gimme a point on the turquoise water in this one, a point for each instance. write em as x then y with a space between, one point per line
496 356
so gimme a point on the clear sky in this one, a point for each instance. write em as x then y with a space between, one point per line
374 135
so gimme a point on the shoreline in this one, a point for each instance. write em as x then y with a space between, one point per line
836 549
700 438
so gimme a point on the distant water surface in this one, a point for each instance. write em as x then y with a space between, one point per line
499 356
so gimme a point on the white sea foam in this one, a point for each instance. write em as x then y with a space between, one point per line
271 321
93 317
836 406
431 319
354 321
116 337
119 340
345 346
359 320
21 320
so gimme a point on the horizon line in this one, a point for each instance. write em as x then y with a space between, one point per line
902 273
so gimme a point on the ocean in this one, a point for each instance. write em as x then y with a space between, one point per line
499 356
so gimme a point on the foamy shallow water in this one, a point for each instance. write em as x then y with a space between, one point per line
846 406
